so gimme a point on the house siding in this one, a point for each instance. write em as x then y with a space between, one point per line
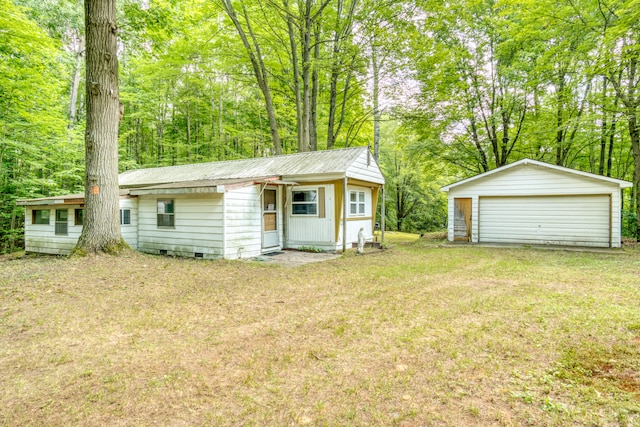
243 227
198 226
130 231
529 180
365 168
312 230
41 238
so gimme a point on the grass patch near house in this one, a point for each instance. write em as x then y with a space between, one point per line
396 237
415 335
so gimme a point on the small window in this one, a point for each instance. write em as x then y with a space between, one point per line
304 202
78 216
61 221
40 216
166 213
356 203
125 216
353 202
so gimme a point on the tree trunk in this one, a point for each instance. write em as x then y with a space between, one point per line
560 121
612 137
295 69
376 100
333 85
75 84
101 229
138 138
604 129
315 86
305 36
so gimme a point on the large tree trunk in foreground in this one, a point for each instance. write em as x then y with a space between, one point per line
101 230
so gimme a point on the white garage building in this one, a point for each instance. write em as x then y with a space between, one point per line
533 202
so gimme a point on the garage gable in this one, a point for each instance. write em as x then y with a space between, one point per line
535 179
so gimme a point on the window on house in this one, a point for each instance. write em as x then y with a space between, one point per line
78 216
40 216
166 213
304 202
61 221
356 203
125 217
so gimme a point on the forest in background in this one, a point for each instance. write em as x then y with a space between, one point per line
440 90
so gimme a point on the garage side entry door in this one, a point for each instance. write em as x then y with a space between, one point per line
546 220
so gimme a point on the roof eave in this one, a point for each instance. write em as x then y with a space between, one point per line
183 190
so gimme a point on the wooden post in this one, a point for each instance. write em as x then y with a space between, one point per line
345 202
382 215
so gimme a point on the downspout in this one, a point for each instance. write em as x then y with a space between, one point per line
344 214
382 215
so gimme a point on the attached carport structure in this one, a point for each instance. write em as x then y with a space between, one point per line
532 202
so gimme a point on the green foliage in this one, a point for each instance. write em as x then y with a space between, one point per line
37 155
504 81
629 223
413 200
188 92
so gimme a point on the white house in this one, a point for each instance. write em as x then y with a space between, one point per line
533 202
231 209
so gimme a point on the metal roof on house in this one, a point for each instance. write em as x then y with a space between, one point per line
309 163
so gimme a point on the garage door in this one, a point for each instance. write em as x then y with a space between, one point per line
548 220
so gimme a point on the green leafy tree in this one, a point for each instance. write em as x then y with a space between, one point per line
33 146
413 200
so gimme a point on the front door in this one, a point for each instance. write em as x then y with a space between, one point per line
269 218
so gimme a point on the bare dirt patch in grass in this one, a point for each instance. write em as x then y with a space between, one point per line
415 335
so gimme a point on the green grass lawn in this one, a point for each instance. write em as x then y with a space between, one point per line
420 334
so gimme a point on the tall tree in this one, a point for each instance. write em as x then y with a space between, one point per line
302 24
387 54
254 51
341 64
474 79
101 229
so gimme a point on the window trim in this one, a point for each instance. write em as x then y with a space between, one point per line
61 227
78 216
34 216
357 203
166 215
305 202
123 217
